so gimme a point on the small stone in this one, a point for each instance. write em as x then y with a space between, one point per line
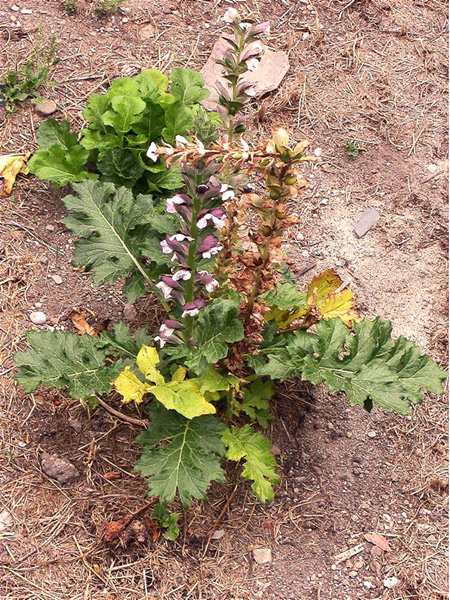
323 201
368 585
57 279
125 20
147 32
38 317
353 574
58 468
22 444
50 227
372 434
275 450
317 152
46 108
305 36
6 520
15 8
390 582
365 222
38 304
218 534
129 312
262 556
432 168
26 11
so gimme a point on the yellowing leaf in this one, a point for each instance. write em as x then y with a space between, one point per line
180 374
130 387
322 294
146 360
183 396
10 166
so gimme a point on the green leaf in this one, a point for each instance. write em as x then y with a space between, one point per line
255 402
96 107
151 123
178 119
53 132
367 364
167 520
180 455
122 342
121 166
187 86
60 165
284 296
64 360
216 326
169 179
107 220
93 139
259 464
153 86
126 111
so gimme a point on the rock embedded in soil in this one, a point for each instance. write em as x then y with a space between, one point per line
38 317
218 534
390 582
267 76
58 468
366 221
147 32
57 279
262 556
6 520
46 108
129 313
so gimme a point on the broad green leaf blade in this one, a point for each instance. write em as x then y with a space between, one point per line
259 464
107 219
187 86
367 364
178 120
60 165
96 106
53 132
121 166
216 326
180 456
126 111
64 360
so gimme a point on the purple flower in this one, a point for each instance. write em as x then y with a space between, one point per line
207 280
167 285
174 202
166 332
216 216
191 309
183 274
209 247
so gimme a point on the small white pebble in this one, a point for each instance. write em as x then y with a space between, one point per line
390 582
38 318
21 444
15 8
372 434
26 11
38 304
305 36
368 585
57 279
318 152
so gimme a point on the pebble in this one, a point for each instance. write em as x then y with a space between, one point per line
147 32
353 574
390 582
50 227
262 556
57 279
129 312
46 108
58 468
218 534
368 585
366 221
15 8
38 317
323 201
6 520
26 11
372 434
318 152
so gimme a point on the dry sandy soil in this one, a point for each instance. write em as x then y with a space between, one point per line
370 71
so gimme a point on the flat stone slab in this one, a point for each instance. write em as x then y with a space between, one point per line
366 221
267 76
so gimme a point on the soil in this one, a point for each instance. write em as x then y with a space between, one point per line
373 72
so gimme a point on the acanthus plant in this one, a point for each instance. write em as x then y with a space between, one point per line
233 324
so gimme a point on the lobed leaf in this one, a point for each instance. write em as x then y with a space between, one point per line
180 456
259 464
